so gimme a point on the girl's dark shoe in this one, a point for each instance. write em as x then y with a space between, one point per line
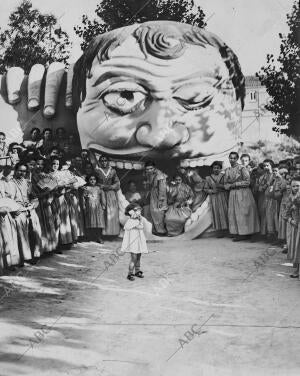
100 241
130 277
139 274
294 275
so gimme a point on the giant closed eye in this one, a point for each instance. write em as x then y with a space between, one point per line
195 97
124 101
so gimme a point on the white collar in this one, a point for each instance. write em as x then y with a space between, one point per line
105 173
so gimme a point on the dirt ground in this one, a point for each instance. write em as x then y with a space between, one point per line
205 307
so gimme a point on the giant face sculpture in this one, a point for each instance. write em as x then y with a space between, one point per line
158 90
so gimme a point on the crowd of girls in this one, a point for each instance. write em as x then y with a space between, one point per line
248 202
52 196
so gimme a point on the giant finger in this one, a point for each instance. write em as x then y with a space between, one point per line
68 99
14 79
35 79
53 80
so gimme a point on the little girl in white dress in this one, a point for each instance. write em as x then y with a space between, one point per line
134 240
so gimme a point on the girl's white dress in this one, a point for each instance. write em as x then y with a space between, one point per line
134 240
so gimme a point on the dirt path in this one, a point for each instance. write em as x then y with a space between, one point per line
205 307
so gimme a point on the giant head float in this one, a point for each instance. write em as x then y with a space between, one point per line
159 90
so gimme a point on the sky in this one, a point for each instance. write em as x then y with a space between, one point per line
250 28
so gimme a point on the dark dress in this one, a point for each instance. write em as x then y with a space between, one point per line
109 182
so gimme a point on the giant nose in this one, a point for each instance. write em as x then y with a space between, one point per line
161 127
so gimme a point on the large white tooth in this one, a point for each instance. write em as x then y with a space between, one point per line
188 222
138 166
120 164
194 163
208 161
200 162
184 163
194 217
128 165
113 163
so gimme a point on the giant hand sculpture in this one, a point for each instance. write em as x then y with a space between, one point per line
156 90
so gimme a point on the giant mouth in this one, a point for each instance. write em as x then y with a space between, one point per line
137 161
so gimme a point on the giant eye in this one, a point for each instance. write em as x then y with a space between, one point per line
195 97
125 101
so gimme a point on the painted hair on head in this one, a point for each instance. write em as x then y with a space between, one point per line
151 38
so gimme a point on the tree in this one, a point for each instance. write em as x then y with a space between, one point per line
32 37
282 78
112 14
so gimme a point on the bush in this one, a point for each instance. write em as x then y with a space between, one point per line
286 148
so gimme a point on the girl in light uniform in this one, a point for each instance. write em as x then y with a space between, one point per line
134 240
